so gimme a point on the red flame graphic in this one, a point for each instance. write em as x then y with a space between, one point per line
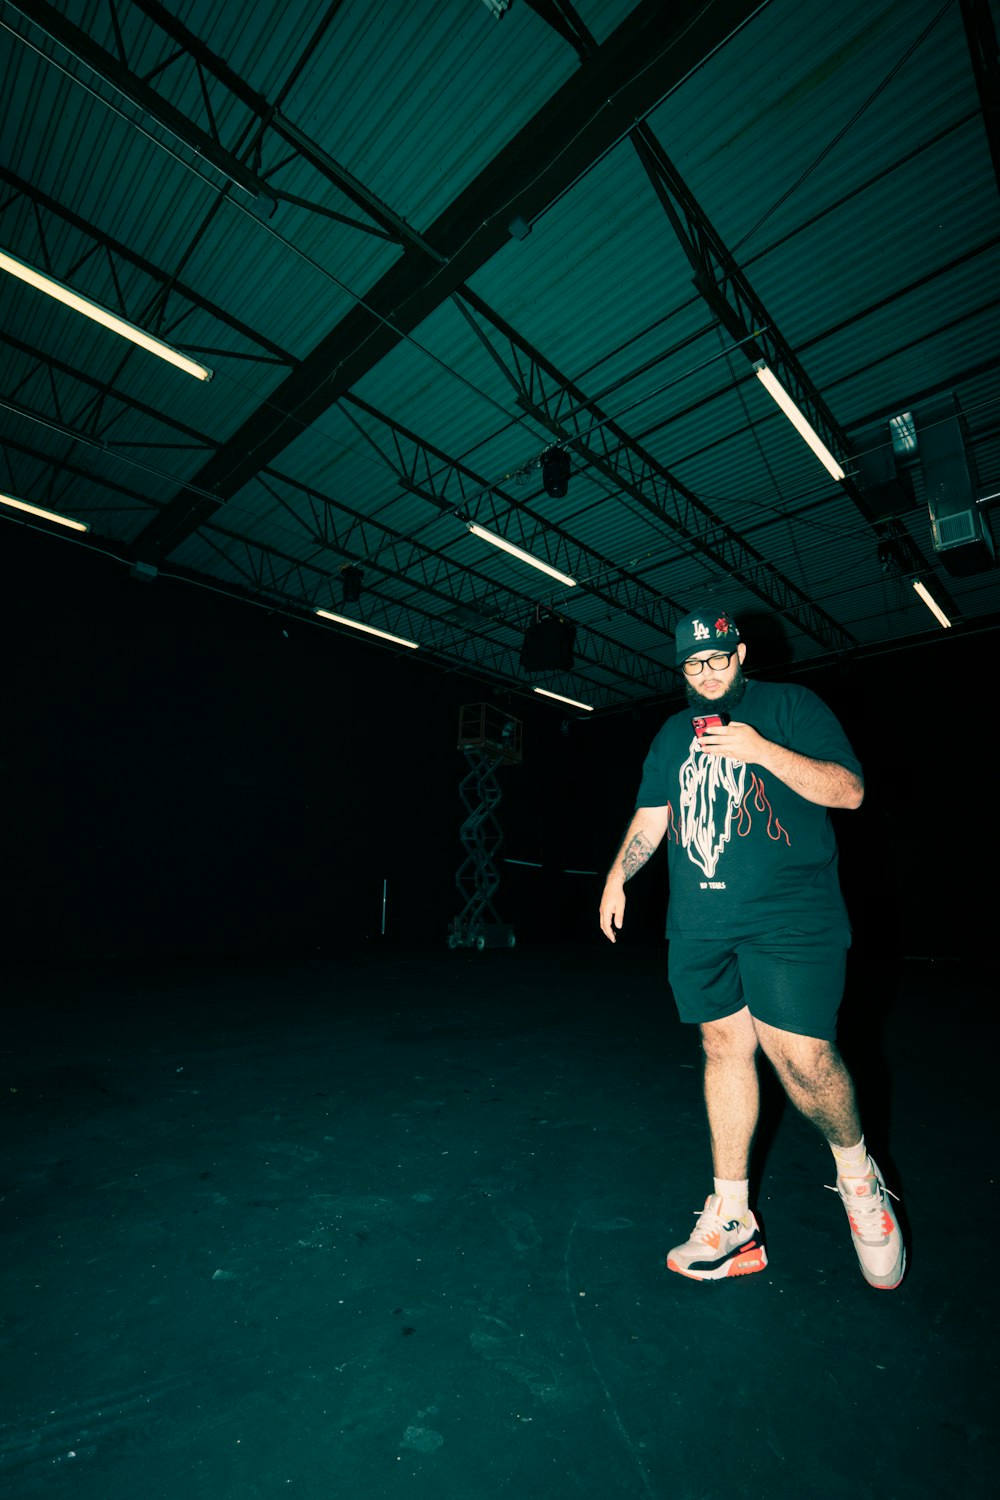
756 797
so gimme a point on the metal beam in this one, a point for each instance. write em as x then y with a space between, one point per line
582 121
58 28
269 571
359 539
426 470
981 34
565 21
99 395
165 285
338 531
270 118
727 291
561 406
726 288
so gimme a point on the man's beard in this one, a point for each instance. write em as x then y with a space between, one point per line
725 702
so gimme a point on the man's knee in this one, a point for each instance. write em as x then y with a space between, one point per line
805 1062
733 1037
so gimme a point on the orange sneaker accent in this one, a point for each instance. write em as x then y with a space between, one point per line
745 1264
718 1249
886 1223
874 1227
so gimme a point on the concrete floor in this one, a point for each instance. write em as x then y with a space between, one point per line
395 1225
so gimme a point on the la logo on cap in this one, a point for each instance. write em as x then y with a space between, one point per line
700 632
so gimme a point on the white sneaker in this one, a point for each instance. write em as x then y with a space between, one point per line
719 1247
876 1231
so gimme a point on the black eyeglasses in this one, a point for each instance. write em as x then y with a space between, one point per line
694 666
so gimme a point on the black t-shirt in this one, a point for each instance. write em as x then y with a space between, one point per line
746 854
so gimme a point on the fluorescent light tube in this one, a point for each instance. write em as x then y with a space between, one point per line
797 419
384 635
99 314
573 702
46 515
932 604
519 552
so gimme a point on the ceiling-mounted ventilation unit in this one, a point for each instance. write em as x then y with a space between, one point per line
962 539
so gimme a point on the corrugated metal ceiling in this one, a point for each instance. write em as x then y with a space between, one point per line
392 351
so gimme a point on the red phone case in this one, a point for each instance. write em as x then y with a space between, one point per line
708 721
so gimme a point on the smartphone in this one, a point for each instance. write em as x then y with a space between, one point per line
701 722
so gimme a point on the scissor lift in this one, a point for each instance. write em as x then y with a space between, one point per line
490 739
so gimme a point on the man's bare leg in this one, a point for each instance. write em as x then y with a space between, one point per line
815 1079
732 1092
726 1239
813 1075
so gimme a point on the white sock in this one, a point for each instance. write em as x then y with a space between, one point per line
852 1161
735 1198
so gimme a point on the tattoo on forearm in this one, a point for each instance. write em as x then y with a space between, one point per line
635 855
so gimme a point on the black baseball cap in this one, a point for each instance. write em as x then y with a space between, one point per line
705 628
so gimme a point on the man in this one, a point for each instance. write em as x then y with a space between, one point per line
758 930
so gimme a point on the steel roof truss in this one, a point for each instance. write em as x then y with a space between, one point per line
165 286
727 290
259 571
96 396
608 448
61 467
407 561
480 499
116 71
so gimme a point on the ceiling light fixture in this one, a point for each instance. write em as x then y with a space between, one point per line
932 604
519 552
798 420
384 635
573 702
93 310
46 515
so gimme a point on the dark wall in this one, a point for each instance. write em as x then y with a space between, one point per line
184 773
187 773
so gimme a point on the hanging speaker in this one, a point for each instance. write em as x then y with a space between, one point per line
555 472
548 645
351 579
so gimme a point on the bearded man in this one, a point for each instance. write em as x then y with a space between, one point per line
757 930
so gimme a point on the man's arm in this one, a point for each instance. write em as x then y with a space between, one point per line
821 781
642 839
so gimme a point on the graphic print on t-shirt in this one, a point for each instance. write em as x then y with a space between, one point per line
711 792
714 795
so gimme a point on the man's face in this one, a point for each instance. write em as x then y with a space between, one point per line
717 689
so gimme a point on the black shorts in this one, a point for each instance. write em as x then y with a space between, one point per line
792 979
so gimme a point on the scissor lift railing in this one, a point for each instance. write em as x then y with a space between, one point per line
489 740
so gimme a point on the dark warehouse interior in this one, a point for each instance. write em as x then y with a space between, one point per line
319 1177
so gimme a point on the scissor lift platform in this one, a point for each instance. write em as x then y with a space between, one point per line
489 739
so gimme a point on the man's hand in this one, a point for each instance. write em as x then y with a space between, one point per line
612 908
737 741
642 839
821 781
